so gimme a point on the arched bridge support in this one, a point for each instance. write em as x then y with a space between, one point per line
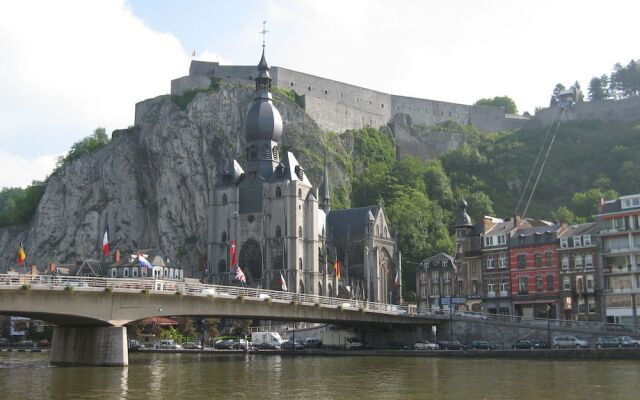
87 345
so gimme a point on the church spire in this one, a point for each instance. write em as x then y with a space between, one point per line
324 189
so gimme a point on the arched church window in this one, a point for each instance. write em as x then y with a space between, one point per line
301 284
299 172
385 232
377 230
278 231
253 152
300 263
276 153
224 236
224 199
266 153
278 191
320 289
299 231
299 193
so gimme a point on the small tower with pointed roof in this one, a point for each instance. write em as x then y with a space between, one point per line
325 198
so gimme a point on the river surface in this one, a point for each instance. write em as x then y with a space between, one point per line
216 376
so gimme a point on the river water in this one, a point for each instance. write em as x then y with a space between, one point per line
238 376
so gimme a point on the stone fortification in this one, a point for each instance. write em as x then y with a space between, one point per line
338 106
603 110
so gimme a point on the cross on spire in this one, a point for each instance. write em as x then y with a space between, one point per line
264 32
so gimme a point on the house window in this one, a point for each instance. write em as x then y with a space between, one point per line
488 241
278 191
490 262
548 258
522 260
549 282
539 283
299 193
474 268
578 261
577 242
566 283
125 272
143 272
590 283
565 262
114 272
521 239
523 285
300 231
166 272
588 261
538 260
300 263
504 285
134 272
564 242
435 289
502 261
491 286
474 287
502 239
586 240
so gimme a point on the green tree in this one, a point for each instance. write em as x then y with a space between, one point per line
598 88
625 81
505 102
585 204
87 145
564 215
556 92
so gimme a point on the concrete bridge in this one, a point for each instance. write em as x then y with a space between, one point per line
90 313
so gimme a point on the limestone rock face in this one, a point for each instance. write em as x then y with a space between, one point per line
150 184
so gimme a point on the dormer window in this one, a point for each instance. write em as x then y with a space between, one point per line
278 191
266 152
280 171
299 172
276 153
521 239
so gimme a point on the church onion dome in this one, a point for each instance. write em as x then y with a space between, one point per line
263 120
463 219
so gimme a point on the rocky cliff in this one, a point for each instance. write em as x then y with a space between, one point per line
151 182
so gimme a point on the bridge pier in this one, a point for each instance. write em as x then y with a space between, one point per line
96 346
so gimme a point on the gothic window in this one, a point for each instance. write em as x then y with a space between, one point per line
385 232
320 289
278 231
222 266
301 287
377 230
224 236
224 199
300 231
309 88
300 263
299 193
266 153
278 191
276 153
299 172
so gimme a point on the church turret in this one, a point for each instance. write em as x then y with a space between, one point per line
263 126
324 189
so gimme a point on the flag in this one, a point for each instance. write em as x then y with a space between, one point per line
337 268
396 282
143 262
232 252
21 254
105 242
240 275
283 283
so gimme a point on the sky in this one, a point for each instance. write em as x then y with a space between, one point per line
70 66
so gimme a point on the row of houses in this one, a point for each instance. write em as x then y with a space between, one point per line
534 268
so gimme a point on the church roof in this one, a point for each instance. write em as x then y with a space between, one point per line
352 220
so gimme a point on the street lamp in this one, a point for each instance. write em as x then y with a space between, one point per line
548 325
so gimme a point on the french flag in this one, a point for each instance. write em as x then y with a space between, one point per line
143 262
105 242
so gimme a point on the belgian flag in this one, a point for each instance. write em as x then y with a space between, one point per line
21 254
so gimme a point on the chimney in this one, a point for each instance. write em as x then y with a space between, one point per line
516 220
601 204
116 256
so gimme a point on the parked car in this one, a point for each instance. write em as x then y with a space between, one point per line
470 314
628 341
608 342
192 346
450 345
292 345
569 342
224 344
168 344
267 346
312 343
539 343
425 345
483 345
523 344
240 344
135 345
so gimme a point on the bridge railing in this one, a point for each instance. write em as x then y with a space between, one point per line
135 285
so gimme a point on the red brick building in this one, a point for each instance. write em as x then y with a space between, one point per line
533 261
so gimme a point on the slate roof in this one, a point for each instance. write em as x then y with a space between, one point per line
353 220
529 235
581 229
615 206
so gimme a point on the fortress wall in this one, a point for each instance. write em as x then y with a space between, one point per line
488 119
339 117
604 110
191 82
430 112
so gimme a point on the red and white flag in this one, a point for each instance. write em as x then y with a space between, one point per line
283 283
240 275
232 252
105 242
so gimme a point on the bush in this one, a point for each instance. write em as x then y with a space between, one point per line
26 286
108 289
145 291
69 288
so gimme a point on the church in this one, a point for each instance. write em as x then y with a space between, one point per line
269 220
